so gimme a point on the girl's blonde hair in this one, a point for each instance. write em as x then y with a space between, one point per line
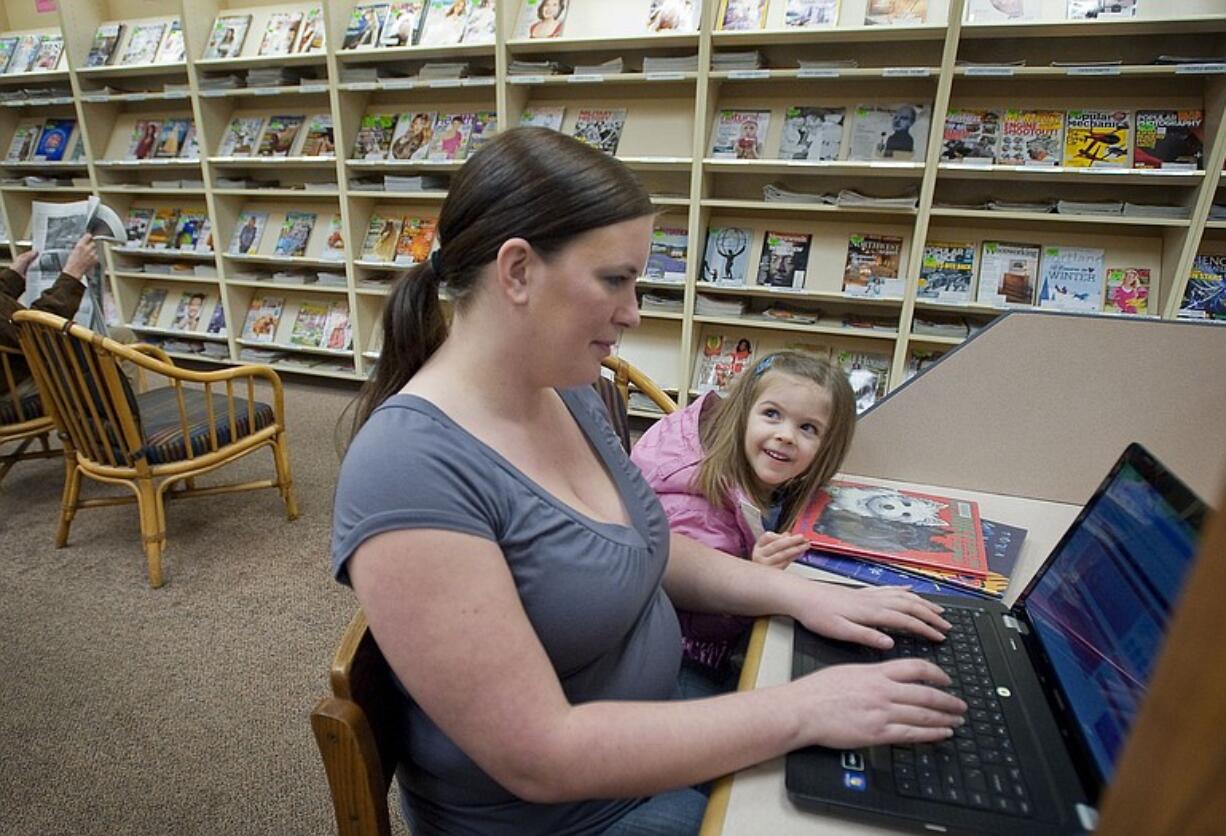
722 433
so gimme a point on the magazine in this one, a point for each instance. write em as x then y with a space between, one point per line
295 233
149 306
278 137
666 263
105 40
401 25
867 372
54 139
739 134
136 225
415 241
726 259
811 133
443 23
673 15
241 136
740 15
338 330
311 34
281 33
47 57
189 231
971 133
1127 290
247 233
1031 137
784 260
25 139
1204 297
1001 11
382 235
144 141
217 322
308 328
189 312
601 129
947 271
896 526
1007 273
920 359
143 43
720 361
365 24
171 138
229 32
334 243
1096 138
871 268
480 27
1173 139
1071 279
1101 9
7 47
485 127
894 12
412 135
263 315
374 136
171 50
802 14
889 132
546 116
450 137
541 19
22 58
319 140
161 228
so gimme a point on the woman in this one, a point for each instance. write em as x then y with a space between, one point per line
516 570
551 16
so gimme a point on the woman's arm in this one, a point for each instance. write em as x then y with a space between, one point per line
446 613
701 579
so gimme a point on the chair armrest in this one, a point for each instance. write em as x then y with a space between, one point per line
153 351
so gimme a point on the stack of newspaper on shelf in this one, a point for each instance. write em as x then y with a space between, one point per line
222 81
331 279
293 277
1043 206
220 351
55 228
416 183
706 305
366 184
1021 62
642 403
670 63
355 75
656 301
940 327
205 271
521 67
1089 207
851 197
272 77
741 60
260 355
175 87
827 63
613 66
1109 62
776 193
432 70
35 93
788 313
1155 210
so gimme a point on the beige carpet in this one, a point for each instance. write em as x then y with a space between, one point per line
184 709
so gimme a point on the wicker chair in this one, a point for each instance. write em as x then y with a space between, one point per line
615 392
156 442
22 418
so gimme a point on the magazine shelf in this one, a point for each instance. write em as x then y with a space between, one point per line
823 74
389 55
594 47
252 62
761 322
1110 223
274 285
1058 174
94 78
149 96
840 168
782 208
156 253
605 80
23 79
182 278
258 92
774 34
1097 30
50 101
256 162
1082 73
786 295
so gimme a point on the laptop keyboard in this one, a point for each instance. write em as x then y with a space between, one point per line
977 767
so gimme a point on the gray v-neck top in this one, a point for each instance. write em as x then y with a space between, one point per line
591 589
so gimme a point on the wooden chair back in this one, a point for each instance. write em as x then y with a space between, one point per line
625 375
359 733
21 424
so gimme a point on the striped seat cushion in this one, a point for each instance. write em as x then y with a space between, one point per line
31 408
163 434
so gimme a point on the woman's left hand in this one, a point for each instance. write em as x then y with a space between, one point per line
858 615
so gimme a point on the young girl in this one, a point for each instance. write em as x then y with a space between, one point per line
720 466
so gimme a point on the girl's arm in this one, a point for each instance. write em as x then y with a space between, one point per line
446 614
697 582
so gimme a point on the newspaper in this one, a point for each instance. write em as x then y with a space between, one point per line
55 228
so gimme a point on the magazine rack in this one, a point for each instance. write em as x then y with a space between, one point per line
666 138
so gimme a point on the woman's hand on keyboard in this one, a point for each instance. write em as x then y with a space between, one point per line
859 615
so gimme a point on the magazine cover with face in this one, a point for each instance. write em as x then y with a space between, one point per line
896 526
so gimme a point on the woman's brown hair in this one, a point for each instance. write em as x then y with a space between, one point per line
722 434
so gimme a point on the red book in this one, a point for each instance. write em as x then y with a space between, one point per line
894 526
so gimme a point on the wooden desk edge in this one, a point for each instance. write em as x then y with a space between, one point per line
717 804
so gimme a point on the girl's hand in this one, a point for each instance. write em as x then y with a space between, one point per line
855 615
779 550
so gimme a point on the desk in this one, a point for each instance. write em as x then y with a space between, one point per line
754 800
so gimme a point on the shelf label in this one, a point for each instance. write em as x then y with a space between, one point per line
480 81
364 85
905 72
527 79
1112 70
313 88
93 97
175 94
266 91
664 76
818 72
585 78
1199 69
986 71
444 82
743 75
212 94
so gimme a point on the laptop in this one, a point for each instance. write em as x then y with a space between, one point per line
1053 683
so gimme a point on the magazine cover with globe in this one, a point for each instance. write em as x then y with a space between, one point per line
895 526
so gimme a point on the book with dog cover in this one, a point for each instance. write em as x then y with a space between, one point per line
1097 138
263 316
601 129
1172 139
1031 137
871 267
229 32
739 134
896 526
868 373
947 271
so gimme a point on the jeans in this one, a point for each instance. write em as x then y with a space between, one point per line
673 813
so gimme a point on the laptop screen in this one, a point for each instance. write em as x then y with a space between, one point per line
1100 607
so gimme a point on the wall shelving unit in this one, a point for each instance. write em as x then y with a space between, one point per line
666 141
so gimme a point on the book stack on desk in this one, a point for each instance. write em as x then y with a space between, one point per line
885 536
